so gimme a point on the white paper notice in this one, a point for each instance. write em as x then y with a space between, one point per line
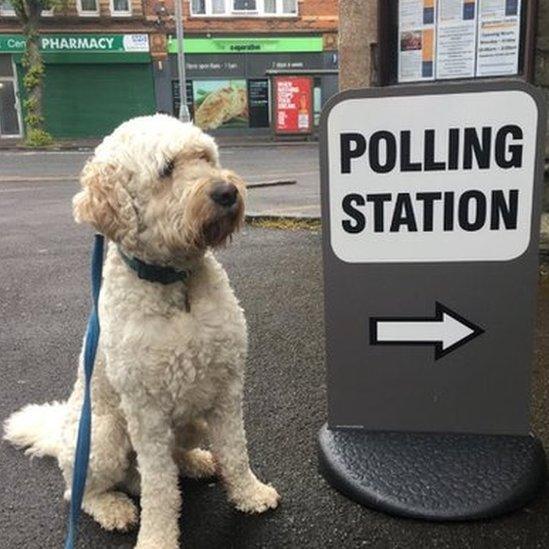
416 34
456 39
498 37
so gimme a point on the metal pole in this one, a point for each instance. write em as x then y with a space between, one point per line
184 115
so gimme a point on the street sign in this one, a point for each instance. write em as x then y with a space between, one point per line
431 202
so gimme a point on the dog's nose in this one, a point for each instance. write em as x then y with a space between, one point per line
224 194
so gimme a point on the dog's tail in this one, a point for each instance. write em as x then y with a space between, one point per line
37 427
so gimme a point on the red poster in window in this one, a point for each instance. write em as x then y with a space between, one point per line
293 104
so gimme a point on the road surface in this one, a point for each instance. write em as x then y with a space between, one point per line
57 173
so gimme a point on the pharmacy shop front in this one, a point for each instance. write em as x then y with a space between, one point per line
92 82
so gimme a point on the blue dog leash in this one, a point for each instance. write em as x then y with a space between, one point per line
82 454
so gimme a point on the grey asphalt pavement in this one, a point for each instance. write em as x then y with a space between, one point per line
259 164
277 275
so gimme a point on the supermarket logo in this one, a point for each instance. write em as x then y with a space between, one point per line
245 47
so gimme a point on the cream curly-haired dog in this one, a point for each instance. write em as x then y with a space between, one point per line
169 371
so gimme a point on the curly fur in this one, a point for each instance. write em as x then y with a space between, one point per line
167 381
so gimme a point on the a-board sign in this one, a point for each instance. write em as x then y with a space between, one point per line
431 205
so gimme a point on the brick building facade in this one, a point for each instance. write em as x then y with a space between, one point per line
236 48
107 60
306 16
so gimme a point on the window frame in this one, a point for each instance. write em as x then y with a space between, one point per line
230 12
87 13
119 13
7 12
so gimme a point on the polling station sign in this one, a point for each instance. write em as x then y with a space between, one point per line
431 208
456 187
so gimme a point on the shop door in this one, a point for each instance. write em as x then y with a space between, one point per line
9 104
90 100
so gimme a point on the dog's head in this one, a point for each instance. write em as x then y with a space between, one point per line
155 187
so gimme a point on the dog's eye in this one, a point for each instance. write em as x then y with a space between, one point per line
167 170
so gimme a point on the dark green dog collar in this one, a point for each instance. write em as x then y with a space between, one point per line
154 273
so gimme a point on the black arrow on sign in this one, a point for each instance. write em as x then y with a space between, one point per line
446 331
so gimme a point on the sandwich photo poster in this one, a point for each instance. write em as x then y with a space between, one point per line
220 103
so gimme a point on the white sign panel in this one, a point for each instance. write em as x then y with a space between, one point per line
432 178
136 42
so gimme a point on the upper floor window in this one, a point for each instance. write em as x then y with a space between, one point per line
6 9
245 5
259 8
121 7
87 7
280 7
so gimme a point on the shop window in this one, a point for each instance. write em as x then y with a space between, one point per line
220 103
6 68
247 8
9 108
258 102
121 7
87 8
317 100
9 119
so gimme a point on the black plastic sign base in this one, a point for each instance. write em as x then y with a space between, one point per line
433 476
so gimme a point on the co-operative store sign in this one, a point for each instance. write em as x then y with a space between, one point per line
249 44
81 43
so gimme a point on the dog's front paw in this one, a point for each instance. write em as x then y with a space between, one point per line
112 510
255 497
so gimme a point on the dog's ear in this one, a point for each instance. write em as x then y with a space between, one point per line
104 203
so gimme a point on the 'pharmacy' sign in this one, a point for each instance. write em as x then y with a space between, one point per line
79 43
431 208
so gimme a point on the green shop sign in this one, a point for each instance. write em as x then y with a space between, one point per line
248 45
79 43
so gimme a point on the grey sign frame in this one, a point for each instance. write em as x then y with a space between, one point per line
504 411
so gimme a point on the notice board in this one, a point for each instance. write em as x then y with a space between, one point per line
457 39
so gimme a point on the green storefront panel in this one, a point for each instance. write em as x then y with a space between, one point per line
90 100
